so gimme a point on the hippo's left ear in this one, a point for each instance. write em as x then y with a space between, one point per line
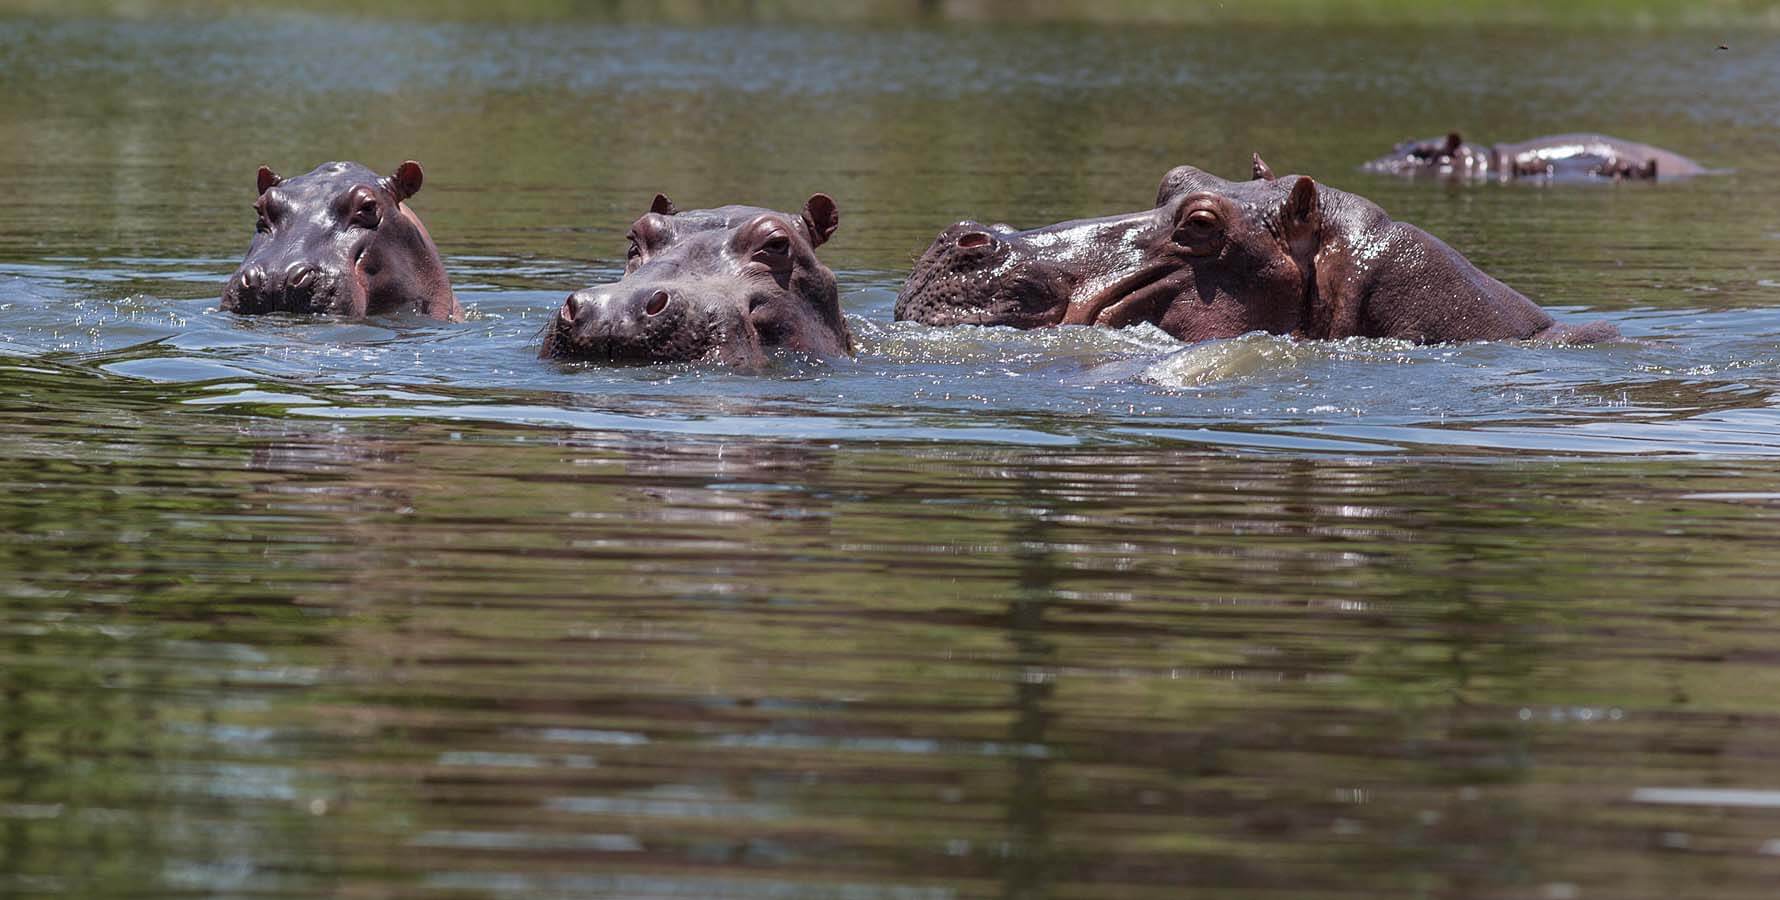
1263 172
1453 142
406 181
1300 216
821 217
663 206
269 179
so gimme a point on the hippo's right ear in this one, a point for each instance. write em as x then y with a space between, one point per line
406 181
269 179
1453 142
821 217
1263 172
1301 215
663 206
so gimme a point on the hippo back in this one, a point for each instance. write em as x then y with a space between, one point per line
1614 153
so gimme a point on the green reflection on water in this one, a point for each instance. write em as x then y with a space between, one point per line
351 658
1597 13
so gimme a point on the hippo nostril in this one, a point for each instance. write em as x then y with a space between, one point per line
298 276
658 301
252 279
973 239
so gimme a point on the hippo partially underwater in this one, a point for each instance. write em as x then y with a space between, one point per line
1556 157
724 285
1216 259
341 241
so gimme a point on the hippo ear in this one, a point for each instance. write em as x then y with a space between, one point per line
1301 214
269 179
821 217
1263 172
663 206
1453 142
406 181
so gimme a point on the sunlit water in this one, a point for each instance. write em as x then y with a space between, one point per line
393 608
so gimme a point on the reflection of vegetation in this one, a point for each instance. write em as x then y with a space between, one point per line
1592 12
364 658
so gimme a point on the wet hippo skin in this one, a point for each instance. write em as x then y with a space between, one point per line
1217 258
1557 156
725 285
341 241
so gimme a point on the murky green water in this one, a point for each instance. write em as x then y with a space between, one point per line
393 609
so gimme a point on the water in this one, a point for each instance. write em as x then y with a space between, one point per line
393 608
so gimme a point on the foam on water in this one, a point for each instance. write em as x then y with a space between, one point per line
1657 393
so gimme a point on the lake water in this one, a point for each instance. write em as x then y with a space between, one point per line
394 609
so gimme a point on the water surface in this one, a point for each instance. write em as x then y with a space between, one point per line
393 608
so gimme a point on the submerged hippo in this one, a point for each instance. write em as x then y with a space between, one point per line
711 285
1215 259
1558 156
340 240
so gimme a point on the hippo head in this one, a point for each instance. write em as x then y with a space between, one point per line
342 241
1209 260
976 274
1216 259
1449 155
711 285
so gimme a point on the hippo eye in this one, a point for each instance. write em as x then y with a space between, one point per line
1198 230
262 223
774 253
634 251
367 215
1198 225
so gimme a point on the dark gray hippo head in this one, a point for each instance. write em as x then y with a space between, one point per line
722 285
1224 253
976 274
341 241
1446 156
1215 259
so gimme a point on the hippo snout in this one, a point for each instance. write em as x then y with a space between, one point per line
299 287
615 312
631 323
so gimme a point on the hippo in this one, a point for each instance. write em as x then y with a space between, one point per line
1571 157
1216 259
723 285
341 241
